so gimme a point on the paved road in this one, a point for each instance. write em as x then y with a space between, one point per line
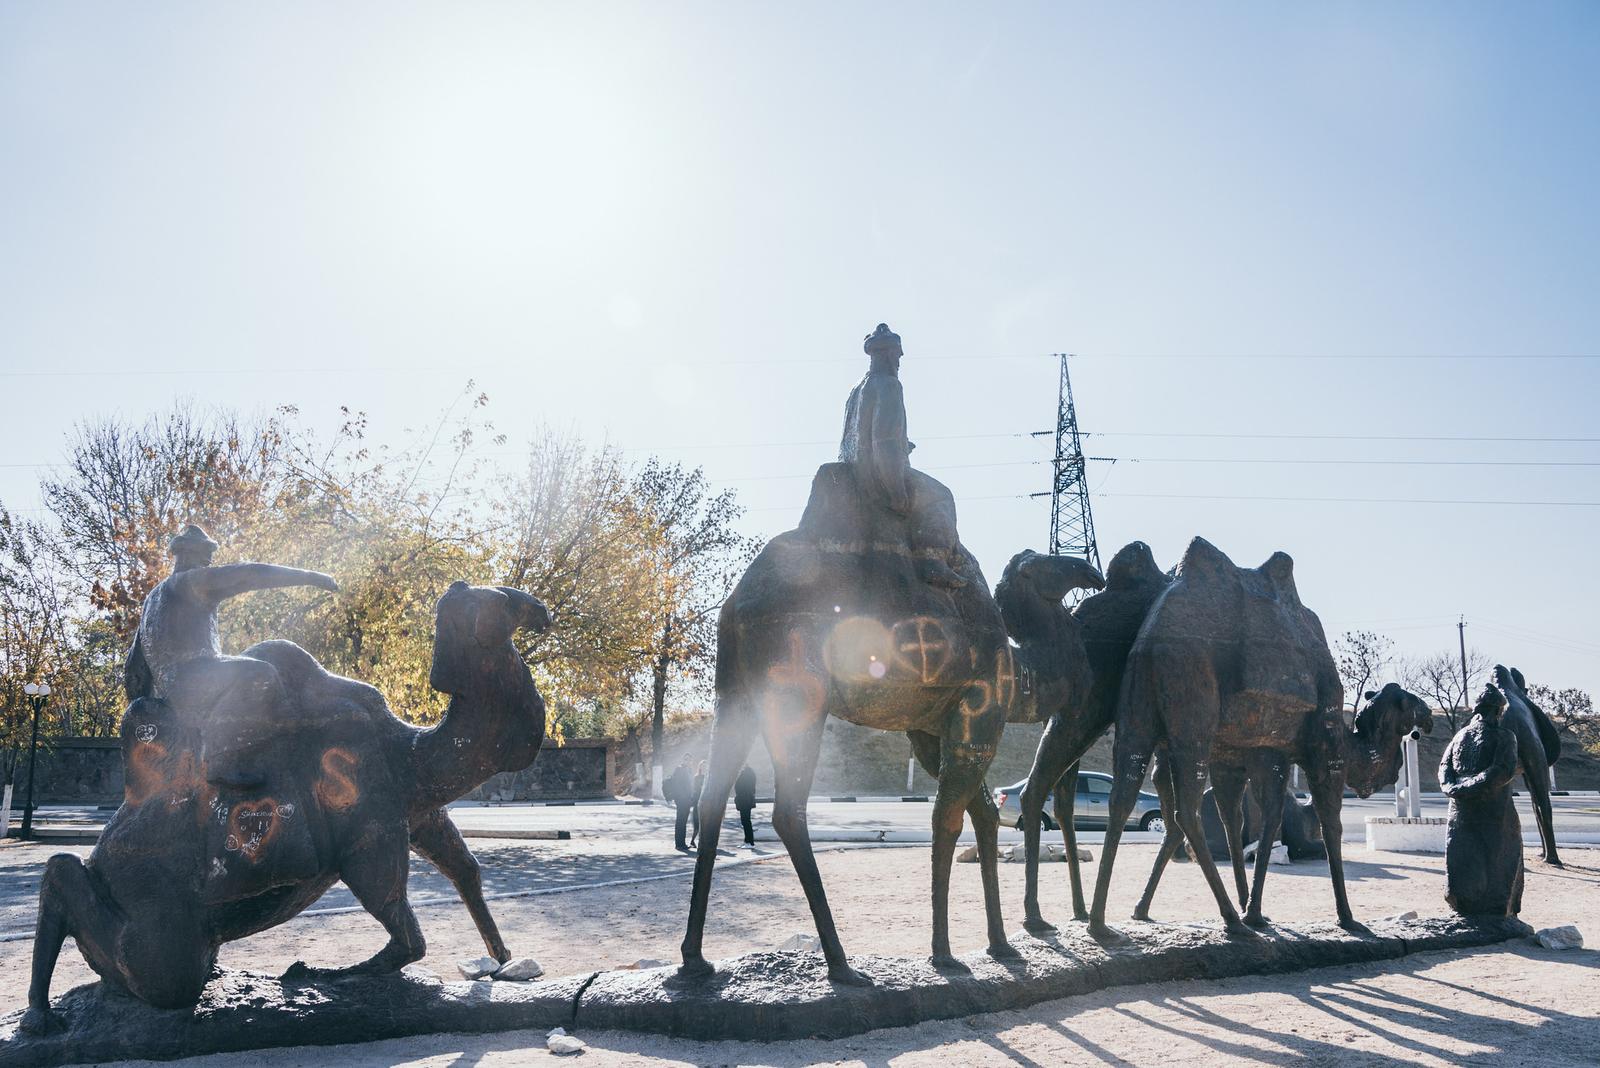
1577 818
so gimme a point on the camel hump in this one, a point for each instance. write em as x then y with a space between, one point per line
1132 567
1280 569
1203 561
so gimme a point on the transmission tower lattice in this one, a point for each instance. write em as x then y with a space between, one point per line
1071 522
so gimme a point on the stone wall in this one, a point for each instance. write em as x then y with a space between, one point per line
88 771
73 771
576 770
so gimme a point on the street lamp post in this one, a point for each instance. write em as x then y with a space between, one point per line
37 693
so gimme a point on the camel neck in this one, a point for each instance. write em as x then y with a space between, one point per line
495 723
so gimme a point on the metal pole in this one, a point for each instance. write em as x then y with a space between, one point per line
33 756
1466 686
1413 777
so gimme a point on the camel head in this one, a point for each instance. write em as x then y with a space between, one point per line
1509 679
1375 746
475 622
1032 587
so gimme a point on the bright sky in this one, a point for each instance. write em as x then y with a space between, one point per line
669 225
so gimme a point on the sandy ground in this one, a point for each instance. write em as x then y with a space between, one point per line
1512 1005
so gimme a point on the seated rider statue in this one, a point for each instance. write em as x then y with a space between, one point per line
237 702
896 508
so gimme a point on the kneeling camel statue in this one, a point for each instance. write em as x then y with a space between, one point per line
195 858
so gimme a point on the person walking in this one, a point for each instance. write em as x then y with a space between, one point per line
677 790
744 799
694 803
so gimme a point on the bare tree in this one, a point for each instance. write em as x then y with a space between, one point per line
1437 679
1571 710
1362 657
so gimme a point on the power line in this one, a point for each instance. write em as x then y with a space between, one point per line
1358 500
1329 437
456 369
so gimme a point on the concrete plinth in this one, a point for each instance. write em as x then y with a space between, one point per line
1406 834
760 996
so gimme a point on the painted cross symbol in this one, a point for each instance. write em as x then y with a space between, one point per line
921 645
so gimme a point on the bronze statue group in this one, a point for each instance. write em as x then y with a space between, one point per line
256 781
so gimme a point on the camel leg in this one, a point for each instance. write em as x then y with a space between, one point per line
1327 797
1066 797
959 779
1188 787
1130 756
1227 790
986 826
1057 753
436 839
1171 842
1538 781
731 739
1267 779
376 874
794 756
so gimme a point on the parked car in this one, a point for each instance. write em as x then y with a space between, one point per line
1089 810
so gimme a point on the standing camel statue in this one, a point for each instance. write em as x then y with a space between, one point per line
1230 667
1371 753
1538 748
191 861
1106 624
872 611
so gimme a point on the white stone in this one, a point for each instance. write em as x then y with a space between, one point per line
1568 937
520 969
644 964
1409 914
563 1044
800 943
1279 854
477 967
968 855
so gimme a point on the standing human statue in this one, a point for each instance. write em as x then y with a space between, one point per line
1483 851
744 799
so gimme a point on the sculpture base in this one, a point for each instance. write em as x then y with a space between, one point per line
759 996
1406 834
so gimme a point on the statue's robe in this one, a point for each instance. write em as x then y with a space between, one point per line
1483 851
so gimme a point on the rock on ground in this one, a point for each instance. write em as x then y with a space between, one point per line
563 1044
1566 937
477 967
519 969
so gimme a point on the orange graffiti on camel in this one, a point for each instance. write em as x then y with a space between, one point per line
147 774
337 789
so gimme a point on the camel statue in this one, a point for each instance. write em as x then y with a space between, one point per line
1231 677
803 636
871 610
1372 755
192 860
1538 748
1106 624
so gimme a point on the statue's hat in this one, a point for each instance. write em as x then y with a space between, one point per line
192 541
882 342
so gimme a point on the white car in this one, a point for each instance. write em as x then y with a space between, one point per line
1088 810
